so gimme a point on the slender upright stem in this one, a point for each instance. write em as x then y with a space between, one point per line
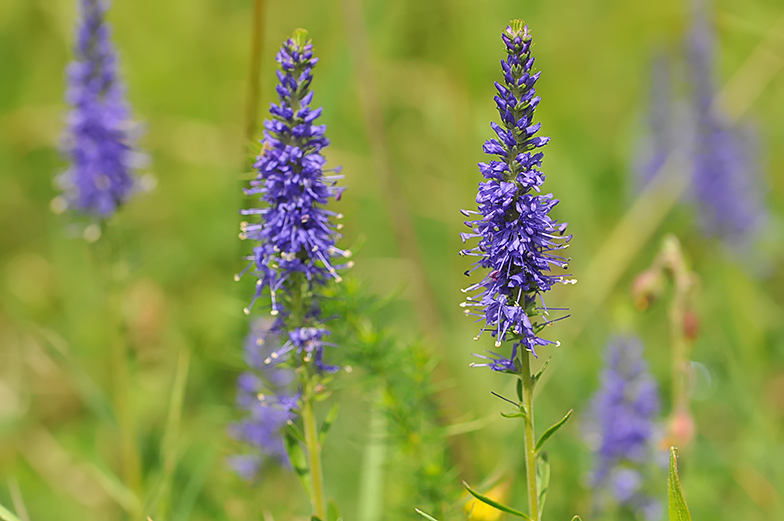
121 377
530 440
314 456
371 492
256 43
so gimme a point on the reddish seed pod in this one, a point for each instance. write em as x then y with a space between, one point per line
691 325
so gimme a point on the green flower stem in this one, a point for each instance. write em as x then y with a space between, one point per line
314 455
530 440
121 374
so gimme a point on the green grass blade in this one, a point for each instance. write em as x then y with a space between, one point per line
426 516
495 504
6 514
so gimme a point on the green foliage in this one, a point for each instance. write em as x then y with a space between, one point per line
542 479
495 504
7 515
549 432
677 504
298 459
332 415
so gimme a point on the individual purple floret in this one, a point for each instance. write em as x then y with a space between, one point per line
725 176
295 235
516 235
267 394
98 137
622 427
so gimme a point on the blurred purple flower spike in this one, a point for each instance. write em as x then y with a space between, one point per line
99 133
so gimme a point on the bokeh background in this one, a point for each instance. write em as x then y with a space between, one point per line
407 88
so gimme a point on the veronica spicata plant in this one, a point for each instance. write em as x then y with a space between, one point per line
98 139
518 245
622 428
725 165
295 254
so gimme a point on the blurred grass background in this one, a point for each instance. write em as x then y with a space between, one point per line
433 64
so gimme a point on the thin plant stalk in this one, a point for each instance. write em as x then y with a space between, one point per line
313 446
530 440
371 495
121 377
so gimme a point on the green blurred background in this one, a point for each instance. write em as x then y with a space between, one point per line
433 63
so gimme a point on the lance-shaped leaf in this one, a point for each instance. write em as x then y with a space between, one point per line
333 514
328 421
293 429
6 514
549 432
426 516
298 460
520 414
542 479
678 509
495 504
520 389
535 378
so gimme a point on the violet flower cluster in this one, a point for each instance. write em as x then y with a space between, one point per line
98 137
517 237
623 412
295 235
267 393
295 252
725 168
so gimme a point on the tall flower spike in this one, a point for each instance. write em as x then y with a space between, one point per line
99 130
295 234
622 430
517 237
725 166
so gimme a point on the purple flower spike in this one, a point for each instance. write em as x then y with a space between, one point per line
98 137
622 427
517 237
296 233
725 177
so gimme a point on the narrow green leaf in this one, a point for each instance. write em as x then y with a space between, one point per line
678 509
542 479
426 516
577 518
513 414
295 431
495 504
159 496
298 460
333 514
535 378
520 389
6 515
328 421
549 432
